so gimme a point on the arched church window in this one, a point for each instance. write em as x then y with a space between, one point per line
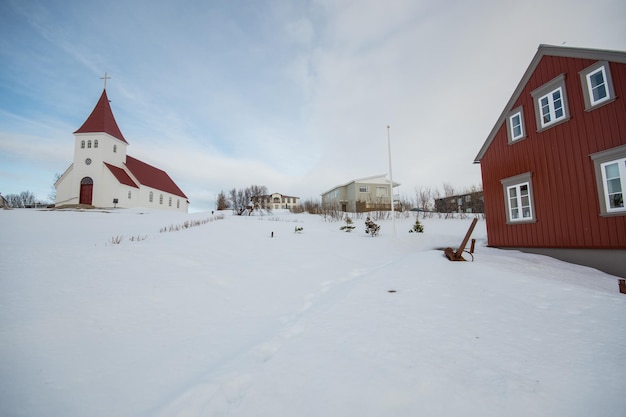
170 202
114 148
95 143
178 203
82 144
86 181
129 195
161 199
88 144
151 196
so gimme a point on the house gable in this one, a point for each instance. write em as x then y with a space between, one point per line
543 191
557 53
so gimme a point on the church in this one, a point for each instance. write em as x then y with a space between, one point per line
104 176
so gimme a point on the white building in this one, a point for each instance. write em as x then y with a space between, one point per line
360 195
103 175
278 201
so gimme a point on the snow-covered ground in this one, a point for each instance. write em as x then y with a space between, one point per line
221 319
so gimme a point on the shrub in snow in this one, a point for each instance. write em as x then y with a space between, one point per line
348 227
417 227
116 240
371 228
298 229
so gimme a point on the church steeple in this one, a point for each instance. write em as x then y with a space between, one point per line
101 120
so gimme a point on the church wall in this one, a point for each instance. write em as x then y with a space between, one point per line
89 162
104 152
65 193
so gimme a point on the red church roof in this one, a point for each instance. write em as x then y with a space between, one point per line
121 175
152 177
101 120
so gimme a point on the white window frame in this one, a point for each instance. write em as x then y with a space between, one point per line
547 92
601 160
591 87
363 189
517 183
587 88
548 107
382 191
614 192
511 125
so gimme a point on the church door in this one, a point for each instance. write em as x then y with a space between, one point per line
86 191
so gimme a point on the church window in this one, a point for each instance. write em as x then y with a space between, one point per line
170 202
82 144
88 144
161 199
114 148
177 203
129 195
151 196
95 143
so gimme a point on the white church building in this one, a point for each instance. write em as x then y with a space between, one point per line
104 176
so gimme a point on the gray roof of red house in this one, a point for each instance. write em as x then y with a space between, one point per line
101 120
152 177
121 175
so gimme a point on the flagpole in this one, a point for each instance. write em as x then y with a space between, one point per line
393 215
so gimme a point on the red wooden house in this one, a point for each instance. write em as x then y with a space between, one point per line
554 165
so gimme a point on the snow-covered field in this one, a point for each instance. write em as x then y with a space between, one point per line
221 319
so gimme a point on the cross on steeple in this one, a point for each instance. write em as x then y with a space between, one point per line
105 78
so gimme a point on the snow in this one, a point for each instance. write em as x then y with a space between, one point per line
221 319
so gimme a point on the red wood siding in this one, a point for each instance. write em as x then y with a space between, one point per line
563 178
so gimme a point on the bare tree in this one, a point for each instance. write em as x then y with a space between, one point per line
258 197
53 192
247 199
424 197
448 189
21 200
313 206
474 188
222 201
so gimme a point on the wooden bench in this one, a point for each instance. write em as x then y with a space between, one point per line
458 255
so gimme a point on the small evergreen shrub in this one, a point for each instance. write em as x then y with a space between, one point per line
417 227
371 228
348 227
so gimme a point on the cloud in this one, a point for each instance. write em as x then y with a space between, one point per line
295 96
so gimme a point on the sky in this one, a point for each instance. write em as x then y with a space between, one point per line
298 96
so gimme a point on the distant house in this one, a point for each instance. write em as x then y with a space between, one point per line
463 203
554 165
277 201
360 195
3 202
103 175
